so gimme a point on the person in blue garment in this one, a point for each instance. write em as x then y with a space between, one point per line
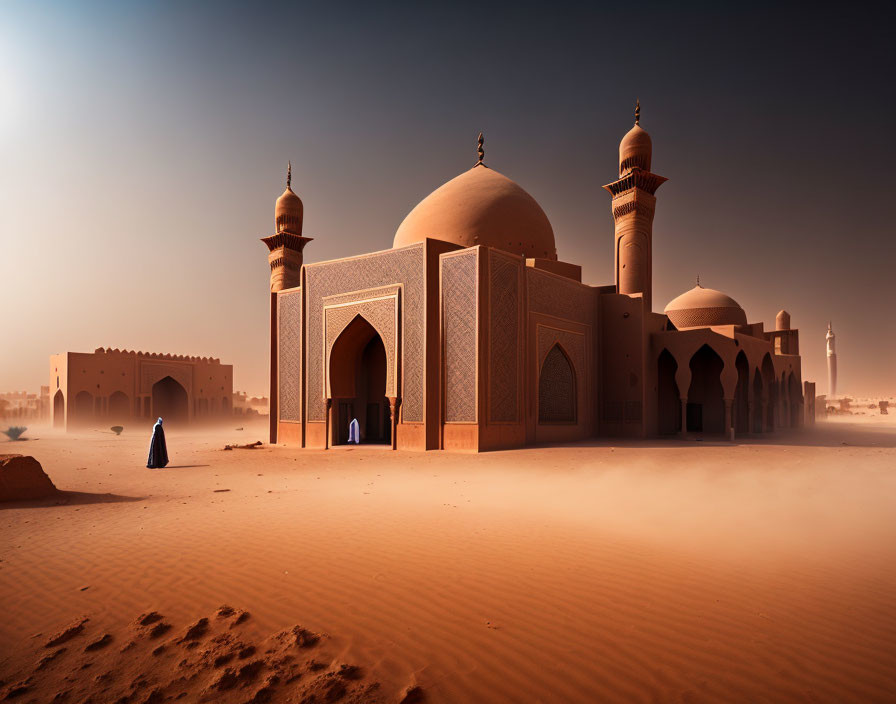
354 432
158 450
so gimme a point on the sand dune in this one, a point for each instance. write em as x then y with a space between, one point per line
676 571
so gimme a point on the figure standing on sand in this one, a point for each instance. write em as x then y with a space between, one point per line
354 432
158 450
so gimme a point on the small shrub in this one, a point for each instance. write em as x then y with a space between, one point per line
14 432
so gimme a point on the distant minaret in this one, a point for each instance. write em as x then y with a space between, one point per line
633 205
832 363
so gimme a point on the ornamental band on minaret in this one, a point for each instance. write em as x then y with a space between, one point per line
633 206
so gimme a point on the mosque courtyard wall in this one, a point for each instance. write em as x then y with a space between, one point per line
119 386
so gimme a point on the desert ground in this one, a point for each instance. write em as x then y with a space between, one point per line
660 571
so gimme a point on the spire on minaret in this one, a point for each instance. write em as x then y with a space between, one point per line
480 150
637 111
289 174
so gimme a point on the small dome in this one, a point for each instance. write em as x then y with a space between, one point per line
635 150
703 307
782 320
289 212
481 207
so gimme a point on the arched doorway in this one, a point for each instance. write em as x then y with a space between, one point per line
742 394
119 406
169 401
706 405
358 384
668 396
58 410
83 408
795 397
757 401
771 392
557 388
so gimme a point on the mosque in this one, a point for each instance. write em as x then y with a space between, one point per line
471 334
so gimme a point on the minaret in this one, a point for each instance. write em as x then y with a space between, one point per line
285 257
633 206
832 363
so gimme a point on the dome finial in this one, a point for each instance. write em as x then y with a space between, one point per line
698 280
480 150
637 111
289 174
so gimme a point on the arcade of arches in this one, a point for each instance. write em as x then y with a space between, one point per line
724 394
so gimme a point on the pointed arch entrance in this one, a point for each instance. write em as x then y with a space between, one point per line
58 410
757 401
706 404
557 388
170 401
357 380
770 393
84 411
668 396
119 406
742 394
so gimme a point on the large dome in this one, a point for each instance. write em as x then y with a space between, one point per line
703 307
481 206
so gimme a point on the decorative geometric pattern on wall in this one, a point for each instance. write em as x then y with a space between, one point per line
459 303
556 389
290 362
404 266
151 372
504 343
573 344
382 314
560 297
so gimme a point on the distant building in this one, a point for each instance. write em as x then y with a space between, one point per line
116 386
832 363
245 405
21 405
470 334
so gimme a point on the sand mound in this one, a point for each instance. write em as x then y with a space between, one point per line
22 478
212 661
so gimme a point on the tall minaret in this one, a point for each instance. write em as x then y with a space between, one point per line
633 206
832 363
285 257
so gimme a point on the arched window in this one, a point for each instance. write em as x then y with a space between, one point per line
557 389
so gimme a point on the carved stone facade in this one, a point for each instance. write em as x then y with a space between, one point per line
352 278
505 344
290 364
460 331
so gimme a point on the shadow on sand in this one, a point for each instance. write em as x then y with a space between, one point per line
70 498
185 466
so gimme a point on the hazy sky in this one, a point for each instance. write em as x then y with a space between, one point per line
142 146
